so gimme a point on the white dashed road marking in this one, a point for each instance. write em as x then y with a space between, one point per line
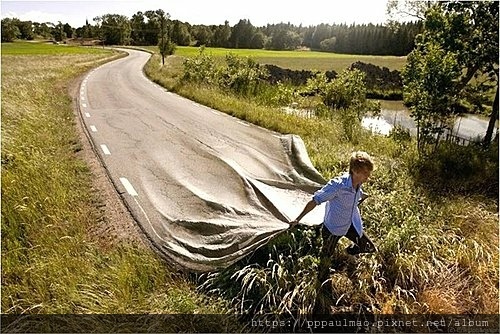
105 149
128 186
131 191
93 128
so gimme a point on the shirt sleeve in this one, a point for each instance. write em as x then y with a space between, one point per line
328 192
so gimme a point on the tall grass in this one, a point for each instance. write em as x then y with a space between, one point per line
51 263
437 248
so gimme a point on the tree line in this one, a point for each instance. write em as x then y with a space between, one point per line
144 28
13 28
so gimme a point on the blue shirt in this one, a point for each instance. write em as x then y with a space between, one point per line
341 205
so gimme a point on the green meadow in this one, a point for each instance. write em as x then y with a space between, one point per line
44 48
297 60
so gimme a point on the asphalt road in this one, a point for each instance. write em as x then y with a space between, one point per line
205 187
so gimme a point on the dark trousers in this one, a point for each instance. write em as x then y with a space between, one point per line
361 244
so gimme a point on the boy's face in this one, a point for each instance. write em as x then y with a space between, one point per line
361 175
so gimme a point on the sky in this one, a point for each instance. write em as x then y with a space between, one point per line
259 12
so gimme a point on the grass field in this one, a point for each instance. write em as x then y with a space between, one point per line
44 48
51 262
298 60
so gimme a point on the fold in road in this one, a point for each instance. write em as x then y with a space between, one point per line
205 187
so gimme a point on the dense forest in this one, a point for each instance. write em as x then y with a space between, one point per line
144 28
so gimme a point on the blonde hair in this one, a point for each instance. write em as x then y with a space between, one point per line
360 160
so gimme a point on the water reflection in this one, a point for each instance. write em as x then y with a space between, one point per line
395 113
377 125
467 127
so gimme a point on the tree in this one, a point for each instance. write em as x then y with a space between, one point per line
493 119
221 35
41 30
26 29
202 34
165 44
258 40
467 31
328 44
152 28
284 39
346 96
307 36
68 30
402 9
430 91
320 33
87 31
241 34
10 31
58 32
115 29
180 33
138 27
477 24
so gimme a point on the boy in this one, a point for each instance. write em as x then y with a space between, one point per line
342 218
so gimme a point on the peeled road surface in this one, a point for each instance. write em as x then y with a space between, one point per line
206 188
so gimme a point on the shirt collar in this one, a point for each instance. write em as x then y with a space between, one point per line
348 182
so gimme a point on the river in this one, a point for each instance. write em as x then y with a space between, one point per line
467 126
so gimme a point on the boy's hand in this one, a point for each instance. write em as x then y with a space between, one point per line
293 223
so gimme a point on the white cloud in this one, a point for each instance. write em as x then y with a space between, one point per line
38 16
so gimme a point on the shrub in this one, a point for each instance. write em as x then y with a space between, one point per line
345 96
243 76
454 168
201 69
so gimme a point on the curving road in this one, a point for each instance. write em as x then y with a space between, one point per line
205 187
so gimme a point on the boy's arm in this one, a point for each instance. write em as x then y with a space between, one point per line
307 208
